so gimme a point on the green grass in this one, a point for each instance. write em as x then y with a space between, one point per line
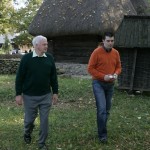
73 119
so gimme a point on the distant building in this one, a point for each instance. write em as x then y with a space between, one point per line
2 38
14 46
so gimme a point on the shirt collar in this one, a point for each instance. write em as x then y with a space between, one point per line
35 54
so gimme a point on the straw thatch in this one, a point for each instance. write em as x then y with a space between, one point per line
141 6
77 17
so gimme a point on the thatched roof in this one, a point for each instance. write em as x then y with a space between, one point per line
74 17
133 32
141 6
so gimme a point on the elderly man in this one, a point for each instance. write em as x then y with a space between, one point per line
37 86
104 66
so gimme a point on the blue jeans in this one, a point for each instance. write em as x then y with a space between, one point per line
103 93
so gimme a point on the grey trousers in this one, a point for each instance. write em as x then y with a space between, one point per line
33 104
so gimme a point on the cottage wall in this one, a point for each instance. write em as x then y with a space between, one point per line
74 49
142 70
135 69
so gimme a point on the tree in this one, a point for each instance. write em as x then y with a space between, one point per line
6 11
21 20
18 20
6 46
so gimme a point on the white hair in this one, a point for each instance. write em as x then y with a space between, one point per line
37 39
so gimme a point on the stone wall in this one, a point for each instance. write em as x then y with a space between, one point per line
9 66
73 69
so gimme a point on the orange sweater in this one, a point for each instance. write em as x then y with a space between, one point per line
102 63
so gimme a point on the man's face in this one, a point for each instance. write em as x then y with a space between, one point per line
42 46
108 42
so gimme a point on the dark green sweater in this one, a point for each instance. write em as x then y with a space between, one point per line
36 76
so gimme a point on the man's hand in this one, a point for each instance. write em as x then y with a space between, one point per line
110 77
54 99
115 76
19 100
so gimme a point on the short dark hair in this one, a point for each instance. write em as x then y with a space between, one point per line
108 33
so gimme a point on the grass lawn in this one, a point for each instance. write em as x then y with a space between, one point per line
73 119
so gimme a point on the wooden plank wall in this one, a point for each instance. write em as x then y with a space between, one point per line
74 49
135 69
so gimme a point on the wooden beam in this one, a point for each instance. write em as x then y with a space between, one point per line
133 70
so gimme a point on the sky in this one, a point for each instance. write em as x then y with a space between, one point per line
20 4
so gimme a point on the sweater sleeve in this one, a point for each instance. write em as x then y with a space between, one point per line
20 77
92 67
53 79
118 65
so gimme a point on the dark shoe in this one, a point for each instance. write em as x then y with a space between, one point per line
103 140
43 147
27 139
